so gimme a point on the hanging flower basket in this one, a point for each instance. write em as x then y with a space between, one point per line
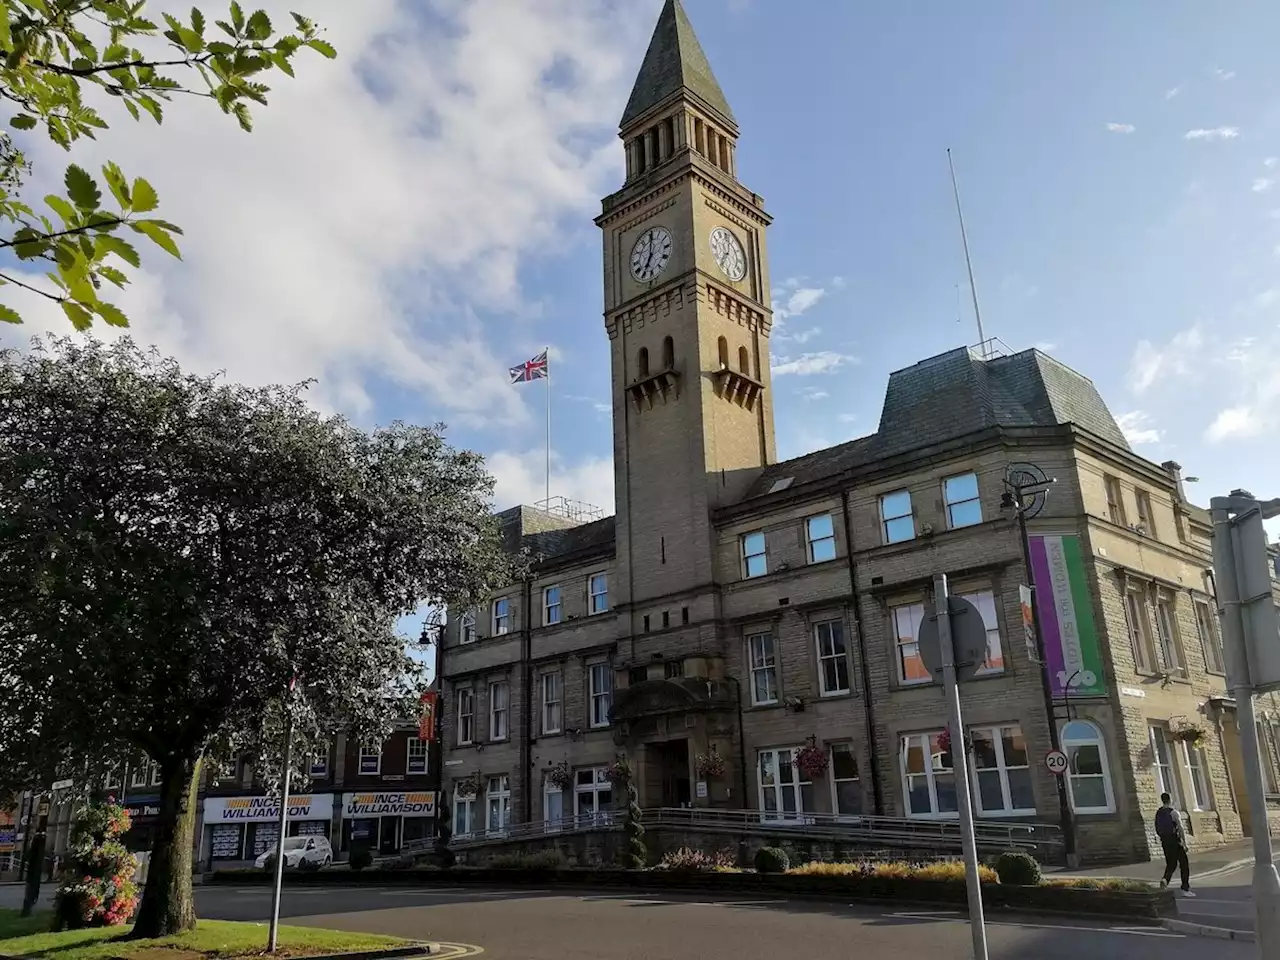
619 773
560 776
1191 734
812 761
709 765
944 740
467 787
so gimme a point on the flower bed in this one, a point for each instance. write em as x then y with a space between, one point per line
932 884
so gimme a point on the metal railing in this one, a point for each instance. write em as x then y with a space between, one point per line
882 831
885 833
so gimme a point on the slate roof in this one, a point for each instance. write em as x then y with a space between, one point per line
955 394
673 61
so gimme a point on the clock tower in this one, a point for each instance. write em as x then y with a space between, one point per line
686 291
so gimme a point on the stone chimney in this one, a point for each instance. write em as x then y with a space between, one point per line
1174 470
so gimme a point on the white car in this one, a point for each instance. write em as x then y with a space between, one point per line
313 852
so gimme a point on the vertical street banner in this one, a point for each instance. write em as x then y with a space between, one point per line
1062 602
427 717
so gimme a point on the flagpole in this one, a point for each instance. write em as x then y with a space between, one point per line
548 378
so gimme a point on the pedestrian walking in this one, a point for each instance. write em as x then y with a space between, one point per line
1173 837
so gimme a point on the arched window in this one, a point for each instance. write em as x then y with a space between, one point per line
668 353
1088 774
744 361
642 362
723 346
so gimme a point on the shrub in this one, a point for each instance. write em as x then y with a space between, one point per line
688 860
943 870
1118 884
1018 869
772 860
361 858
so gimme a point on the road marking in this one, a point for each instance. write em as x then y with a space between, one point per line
956 917
455 951
475 894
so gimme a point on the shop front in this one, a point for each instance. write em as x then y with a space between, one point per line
8 842
386 822
242 828
143 814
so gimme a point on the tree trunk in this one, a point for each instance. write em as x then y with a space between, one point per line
167 906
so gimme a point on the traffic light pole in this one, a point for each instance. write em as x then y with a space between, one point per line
1248 616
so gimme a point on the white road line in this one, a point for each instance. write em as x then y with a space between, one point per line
479 895
954 917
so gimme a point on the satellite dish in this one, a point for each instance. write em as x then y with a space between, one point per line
1028 483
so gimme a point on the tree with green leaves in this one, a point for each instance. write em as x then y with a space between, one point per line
183 560
57 54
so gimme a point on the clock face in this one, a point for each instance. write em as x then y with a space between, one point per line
728 253
650 254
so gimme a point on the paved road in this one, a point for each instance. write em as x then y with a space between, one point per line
556 925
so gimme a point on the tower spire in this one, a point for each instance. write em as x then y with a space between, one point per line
674 63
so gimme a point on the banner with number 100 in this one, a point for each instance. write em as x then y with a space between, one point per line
1066 617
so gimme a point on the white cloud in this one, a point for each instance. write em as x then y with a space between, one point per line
798 301
1234 423
1270 162
1263 184
811 395
1177 358
803 336
847 417
521 477
1172 92
382 198
807 364
1222 74
1137 429
1046 346
1213 133
1121 127
1253 382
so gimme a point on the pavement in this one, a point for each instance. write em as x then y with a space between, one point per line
563 925
1221 880
1204 865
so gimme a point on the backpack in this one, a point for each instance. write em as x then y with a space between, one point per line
1166 823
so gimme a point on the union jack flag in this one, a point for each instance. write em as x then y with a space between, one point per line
535 369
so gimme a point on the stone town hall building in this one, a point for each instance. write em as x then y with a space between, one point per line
746 608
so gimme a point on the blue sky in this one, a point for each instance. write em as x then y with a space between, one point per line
410 220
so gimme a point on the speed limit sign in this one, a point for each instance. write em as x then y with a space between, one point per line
1056 761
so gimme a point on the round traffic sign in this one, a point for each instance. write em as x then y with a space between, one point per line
1056 761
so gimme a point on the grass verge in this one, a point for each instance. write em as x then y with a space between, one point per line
210 939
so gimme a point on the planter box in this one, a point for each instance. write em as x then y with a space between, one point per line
1139 906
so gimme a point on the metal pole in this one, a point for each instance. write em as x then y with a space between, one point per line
284 825
964 799
1228 562
968 262
548 490
1066 822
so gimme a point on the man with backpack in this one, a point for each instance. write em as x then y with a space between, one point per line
1173 837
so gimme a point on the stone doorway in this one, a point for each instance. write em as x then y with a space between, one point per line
667 782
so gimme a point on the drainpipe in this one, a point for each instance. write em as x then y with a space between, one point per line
526 660
877 791
742 748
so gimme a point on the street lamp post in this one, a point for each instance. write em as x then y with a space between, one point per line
1251 643
1015 498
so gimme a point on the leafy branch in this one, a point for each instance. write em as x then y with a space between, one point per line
48 60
